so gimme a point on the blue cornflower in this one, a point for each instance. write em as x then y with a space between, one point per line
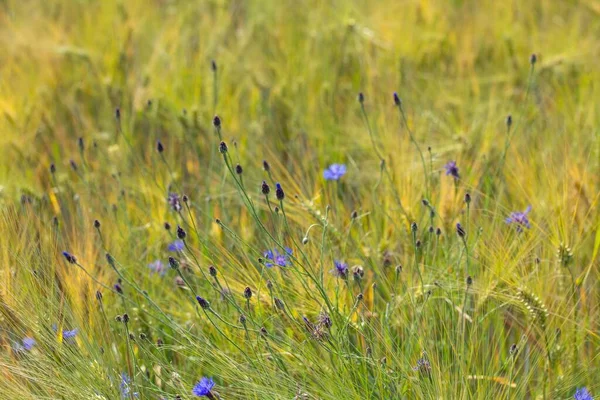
177 245
157 267
583 394
452 169
125 386
203 387
520 219
334 172
340 270
277 258
28 343
70 335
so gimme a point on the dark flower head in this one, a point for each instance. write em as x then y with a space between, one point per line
279 303
460 230
157 267
520 219
69 257
340 270
266 166
203 387
173 263
177 245
361 98
174 202
238 169
223 147
167 226
203 302
159 146
533 59
181 232
217 121
212 271
96 224
334 172
277 258
264 187
279 191
247 293
397 100
583 394
213 65
118 288
110 259
414 227
452 169
98 295
117 113
509 120
52 168
468 198
358 272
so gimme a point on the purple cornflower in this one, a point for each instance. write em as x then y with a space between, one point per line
177 245
277 258
28 343
520 219
174 202
452 169
334 172
340 270
125 387
204 387
157 267
583 394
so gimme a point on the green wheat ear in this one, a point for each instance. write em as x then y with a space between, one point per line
318 216
535 307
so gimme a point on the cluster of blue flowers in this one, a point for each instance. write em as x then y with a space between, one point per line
278 259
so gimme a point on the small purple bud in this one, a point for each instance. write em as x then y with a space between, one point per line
279 192
69 257
265 188
459 230
203 302
223 147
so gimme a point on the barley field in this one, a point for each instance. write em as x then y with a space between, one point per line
241 199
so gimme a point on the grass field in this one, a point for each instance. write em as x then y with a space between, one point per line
397 200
